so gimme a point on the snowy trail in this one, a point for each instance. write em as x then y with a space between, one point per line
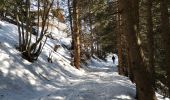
41 80
99 84
22 80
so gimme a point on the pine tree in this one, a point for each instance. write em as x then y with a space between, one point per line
143 84
76 35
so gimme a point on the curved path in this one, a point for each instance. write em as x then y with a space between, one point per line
98 83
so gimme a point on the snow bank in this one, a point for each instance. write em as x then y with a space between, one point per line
29 81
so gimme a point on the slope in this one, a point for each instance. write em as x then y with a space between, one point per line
41 80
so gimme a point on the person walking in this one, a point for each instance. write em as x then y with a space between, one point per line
113 58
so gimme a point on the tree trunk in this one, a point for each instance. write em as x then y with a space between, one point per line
119 44
91 34
130 72
120 65
166 37
142 78
149 26
71 23
76 30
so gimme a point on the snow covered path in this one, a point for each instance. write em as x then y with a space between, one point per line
102 83
41 80
22 80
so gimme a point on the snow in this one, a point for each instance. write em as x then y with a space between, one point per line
41 80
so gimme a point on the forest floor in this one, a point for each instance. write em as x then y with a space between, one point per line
41 80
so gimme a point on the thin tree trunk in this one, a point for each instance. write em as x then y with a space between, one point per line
120 65
71 23
71 27
91 30
119 44
76 30
142 78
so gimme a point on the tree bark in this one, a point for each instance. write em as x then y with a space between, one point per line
119 43
71 23
130 71
166 38
91 29
142 78
151 68
71 28
76 30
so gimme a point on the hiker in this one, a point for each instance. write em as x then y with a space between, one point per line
113 58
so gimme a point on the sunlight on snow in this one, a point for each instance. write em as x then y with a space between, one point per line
5 69
124 97
59 80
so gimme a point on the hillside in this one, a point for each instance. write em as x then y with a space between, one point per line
41 80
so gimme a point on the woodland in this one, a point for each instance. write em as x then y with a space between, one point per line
137 31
